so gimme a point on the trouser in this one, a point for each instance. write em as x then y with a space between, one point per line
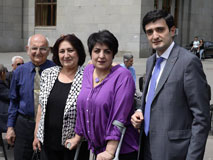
201 53
128 156
24 130
65 154
146 148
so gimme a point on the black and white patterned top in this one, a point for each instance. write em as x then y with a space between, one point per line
47 81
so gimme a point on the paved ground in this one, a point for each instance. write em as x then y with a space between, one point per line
139 64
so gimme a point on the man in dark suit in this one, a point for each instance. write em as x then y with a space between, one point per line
175 101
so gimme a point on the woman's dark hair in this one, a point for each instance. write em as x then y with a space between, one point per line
75 42
155 15
103 37
3 68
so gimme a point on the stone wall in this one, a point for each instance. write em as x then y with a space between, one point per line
83 17
11 37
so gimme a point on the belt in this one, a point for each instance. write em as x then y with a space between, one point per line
27 117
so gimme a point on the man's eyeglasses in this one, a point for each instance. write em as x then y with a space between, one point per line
41 49
18 64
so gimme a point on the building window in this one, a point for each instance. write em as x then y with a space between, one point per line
166 5
176 12
45 13
170 7
156 4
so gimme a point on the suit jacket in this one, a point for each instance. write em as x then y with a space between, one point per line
179 116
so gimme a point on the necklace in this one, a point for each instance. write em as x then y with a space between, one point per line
97 80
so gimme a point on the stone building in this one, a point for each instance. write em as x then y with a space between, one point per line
21 18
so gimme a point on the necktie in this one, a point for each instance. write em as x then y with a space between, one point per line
36 89
151 95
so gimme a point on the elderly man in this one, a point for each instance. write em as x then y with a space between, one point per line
128 62
24 97
16 61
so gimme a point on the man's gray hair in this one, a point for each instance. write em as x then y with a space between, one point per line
127 57
29 39
16 57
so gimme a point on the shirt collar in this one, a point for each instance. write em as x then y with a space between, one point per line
166 54
42 66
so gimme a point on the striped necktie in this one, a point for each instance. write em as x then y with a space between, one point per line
36 89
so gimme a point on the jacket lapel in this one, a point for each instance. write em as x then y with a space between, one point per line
167 69
150 65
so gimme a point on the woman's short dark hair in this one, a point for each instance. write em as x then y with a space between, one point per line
155 15
75 42
103 37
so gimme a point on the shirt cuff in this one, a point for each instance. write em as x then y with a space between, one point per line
139 110
78 132
115 138
10 123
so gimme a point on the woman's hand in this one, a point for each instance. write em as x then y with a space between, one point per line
109 153
73 142
36 144
105 156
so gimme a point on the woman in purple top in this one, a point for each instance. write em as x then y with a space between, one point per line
106 95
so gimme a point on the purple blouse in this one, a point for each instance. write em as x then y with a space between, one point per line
98 107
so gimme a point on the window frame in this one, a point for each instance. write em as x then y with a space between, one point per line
40 23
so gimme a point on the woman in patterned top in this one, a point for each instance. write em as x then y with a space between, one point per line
59 89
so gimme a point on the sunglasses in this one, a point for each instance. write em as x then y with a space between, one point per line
18 64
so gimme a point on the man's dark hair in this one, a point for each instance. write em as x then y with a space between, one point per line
103 37
155 15
75 42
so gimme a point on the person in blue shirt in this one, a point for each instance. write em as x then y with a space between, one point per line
16 61
128 62
21 114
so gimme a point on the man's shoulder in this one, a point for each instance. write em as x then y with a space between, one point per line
185 54
150 58
49 64
184 57
122 65
120 71
23 68
132 68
